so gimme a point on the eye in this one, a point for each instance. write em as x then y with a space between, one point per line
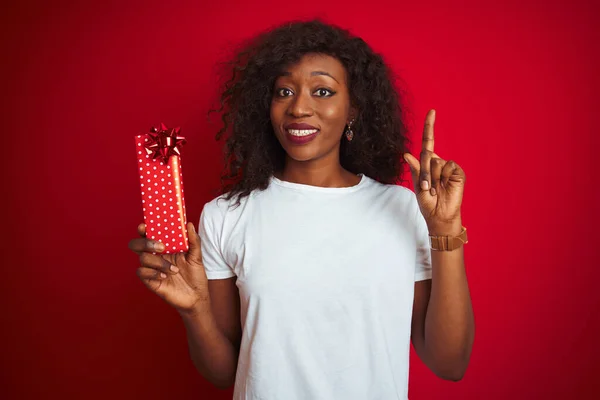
284 92
322 92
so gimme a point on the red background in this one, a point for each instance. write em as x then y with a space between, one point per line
515 85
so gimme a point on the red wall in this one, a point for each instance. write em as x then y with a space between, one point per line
515 86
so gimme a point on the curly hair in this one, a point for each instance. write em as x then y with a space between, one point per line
252 151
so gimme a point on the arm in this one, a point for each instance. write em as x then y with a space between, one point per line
214 333
443 326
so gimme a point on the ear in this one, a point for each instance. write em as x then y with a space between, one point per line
352 114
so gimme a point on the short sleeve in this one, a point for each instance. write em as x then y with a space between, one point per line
423 263
212 256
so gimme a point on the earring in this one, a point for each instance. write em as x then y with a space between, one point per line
348 132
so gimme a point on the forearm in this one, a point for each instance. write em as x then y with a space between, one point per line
449 322
213 355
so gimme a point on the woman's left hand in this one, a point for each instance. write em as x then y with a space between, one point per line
439 185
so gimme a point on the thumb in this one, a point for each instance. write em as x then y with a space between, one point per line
415 169
195 250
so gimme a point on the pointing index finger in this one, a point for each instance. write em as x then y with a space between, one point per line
428 131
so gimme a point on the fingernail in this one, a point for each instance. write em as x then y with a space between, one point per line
433 191
159 246
424 185
163 275
174 269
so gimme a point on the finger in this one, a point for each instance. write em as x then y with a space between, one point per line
140 245
142 230
195 251
174 261
436 172
427 151
150 273
428 131
157 263
425 172
151 277
449 169
415 169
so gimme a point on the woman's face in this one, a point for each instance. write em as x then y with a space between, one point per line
310 107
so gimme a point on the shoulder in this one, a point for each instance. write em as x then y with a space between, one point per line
222 208
218 206
391 189
393 197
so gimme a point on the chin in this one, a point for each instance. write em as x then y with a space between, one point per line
302 154
313 150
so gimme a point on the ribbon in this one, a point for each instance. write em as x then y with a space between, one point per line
163 143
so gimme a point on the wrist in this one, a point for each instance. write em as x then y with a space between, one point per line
199 309
450 228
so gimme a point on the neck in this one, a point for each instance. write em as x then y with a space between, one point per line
317 173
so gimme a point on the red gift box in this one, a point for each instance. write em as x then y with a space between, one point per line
161 182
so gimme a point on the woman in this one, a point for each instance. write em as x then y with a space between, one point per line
313 271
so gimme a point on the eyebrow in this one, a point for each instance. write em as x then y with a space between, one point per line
314 73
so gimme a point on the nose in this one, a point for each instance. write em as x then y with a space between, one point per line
301 105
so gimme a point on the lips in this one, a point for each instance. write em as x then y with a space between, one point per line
298 134
300 126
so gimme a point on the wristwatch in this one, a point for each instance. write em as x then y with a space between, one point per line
448 243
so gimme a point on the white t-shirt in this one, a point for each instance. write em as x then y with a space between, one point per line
326 279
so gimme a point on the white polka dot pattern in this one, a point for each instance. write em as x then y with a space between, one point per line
162 199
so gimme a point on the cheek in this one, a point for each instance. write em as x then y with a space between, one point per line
274 123
272 111
275 113
334 113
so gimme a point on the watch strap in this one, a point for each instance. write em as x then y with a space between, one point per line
448 243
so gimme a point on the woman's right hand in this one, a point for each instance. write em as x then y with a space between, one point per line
179 279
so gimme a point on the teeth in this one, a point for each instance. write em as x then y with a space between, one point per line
302 132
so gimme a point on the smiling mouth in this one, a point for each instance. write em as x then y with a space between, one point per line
302 132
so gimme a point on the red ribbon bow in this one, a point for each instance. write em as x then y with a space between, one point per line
164 143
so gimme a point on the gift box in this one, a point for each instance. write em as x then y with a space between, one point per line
161 183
